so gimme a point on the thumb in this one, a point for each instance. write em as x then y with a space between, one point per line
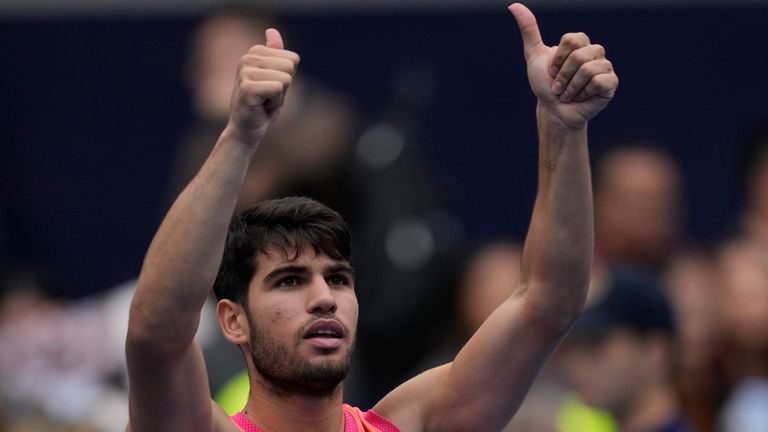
529 29
274 40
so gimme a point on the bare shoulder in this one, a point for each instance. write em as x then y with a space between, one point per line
221 421
406 406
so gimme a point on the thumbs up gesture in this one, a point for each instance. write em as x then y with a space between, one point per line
573 80
263 77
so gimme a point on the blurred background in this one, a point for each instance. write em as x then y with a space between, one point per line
414 119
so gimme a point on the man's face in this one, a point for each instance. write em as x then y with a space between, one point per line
608 373
303 319
638 206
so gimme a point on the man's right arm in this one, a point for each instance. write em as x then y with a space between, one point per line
168 381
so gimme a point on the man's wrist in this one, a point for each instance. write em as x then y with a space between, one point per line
231 135
549 121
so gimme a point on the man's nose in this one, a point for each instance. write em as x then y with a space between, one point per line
320 297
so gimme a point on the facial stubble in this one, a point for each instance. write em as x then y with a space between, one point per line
286 373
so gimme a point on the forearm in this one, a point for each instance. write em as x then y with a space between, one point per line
557 255
184 256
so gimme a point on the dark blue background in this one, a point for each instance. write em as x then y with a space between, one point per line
92 110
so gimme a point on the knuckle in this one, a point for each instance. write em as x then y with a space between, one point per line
592 68
575 40
599 50
568 40
598 85
581 56
603 83
613 81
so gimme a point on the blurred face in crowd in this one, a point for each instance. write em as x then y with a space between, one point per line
613 370
217 46
491 277
637 206
744 294
302 318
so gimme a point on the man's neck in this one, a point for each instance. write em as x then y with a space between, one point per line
651 411
272 412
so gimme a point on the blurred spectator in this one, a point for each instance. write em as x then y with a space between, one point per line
490 278
621 352
692 287
62 363
743 265
303 153
638 206
487 277
57 360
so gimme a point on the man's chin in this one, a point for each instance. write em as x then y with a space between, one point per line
322 377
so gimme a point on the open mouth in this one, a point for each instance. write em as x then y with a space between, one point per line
325 334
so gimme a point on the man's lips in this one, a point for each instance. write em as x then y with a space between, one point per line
324 328
325 334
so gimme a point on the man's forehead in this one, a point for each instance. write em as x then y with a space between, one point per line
276 256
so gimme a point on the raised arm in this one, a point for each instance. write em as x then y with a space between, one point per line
489 378
168 382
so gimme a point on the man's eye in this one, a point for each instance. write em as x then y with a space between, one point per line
337 280
288 282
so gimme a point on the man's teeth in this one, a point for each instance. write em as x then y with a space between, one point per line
324 332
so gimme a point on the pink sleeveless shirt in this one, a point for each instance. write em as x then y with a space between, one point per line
354 421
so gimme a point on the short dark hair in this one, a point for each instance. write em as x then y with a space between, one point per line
288 224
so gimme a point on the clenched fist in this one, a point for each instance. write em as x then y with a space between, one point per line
263 77
573 80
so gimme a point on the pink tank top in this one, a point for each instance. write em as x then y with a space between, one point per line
354 421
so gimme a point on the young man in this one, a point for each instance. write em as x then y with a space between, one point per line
295 320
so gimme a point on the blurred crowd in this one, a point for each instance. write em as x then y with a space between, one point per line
674 337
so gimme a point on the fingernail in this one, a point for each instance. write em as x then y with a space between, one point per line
557 87
565 97
553 70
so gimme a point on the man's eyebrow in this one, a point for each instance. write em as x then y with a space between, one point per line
340 268
284 270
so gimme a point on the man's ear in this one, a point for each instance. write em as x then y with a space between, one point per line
233 321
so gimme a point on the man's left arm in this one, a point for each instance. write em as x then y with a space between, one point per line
489 378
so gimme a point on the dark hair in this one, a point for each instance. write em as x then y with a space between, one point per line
287 224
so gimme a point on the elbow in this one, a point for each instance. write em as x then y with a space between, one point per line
152 335
556 312
142 338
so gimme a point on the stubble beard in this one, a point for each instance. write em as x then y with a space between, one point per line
288 374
